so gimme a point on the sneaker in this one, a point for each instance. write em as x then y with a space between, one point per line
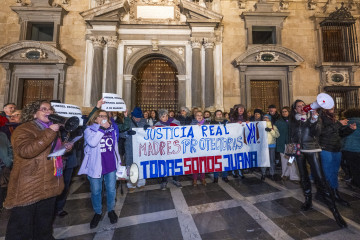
177 183
132 190
95 221
225 179
113 217
163 186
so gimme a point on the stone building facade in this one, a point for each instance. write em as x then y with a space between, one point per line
173 53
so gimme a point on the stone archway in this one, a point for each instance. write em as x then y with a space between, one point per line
138 59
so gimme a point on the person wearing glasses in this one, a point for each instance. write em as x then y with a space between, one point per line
100 163
14 122
33 188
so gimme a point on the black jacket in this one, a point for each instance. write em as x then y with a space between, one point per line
331 134
305 133
184 120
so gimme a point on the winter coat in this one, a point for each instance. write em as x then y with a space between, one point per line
273 134
331 134
128 141
352 142
6 153
184 120
283 127
32 177
305 133
91 164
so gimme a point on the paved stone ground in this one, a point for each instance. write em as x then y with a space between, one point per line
242 209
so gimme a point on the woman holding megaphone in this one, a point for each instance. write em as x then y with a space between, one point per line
305 129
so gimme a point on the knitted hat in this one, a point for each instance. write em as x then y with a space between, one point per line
268 116
137 112
258 111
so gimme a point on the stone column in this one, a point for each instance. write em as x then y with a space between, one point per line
127 90
290 97
8 67
97 71
209 74
182 90
196 92
111 65
243 96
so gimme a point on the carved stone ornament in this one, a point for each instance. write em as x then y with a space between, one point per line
209 42
34 54
196 42
155 44
130 51
311 4
337 77
267 57
283 5
241 4
341 14
98 41
179 51
112 41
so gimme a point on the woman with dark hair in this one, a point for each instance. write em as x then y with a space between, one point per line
100 163
330 141
304 131
154 117
33 187
289 170
238 114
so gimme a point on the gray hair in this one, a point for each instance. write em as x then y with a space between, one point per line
185 109
163 112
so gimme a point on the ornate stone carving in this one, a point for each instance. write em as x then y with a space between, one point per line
180 51
311 4
268 57
196 42
155 44
241 4
112 41
283 5
337 77
130 51
98 41
29 54
209 42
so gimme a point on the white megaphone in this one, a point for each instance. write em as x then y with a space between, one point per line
323 100
128 173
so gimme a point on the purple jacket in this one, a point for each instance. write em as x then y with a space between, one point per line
91 164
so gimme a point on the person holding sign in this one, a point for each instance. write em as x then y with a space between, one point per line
164 121
100 163
199 120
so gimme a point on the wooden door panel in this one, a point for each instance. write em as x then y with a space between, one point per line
264 93
156 86
35 89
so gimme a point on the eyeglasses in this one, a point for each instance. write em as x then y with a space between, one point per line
284 111
15 115
45 109
103 116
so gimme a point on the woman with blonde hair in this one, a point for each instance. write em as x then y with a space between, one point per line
100 163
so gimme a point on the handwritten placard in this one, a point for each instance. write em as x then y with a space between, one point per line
181 150
68 110
113 103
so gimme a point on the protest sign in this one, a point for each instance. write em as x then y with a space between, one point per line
113 103
181 150
68 110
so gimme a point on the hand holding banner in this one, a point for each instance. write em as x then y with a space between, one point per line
113 103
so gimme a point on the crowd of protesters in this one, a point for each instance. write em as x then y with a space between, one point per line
36 187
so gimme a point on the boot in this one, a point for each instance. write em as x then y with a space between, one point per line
339 220
307 205
339 199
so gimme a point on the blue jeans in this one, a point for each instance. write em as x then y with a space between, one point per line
224 174
331 164
96 190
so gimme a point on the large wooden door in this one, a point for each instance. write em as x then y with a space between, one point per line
264 93
35 89
157 86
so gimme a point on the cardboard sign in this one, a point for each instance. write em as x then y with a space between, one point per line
113 103
181 150
68 110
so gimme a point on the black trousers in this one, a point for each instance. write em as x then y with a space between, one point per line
353 161
316 170
32 222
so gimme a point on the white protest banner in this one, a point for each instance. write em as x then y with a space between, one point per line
68 110
113 103
169 151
